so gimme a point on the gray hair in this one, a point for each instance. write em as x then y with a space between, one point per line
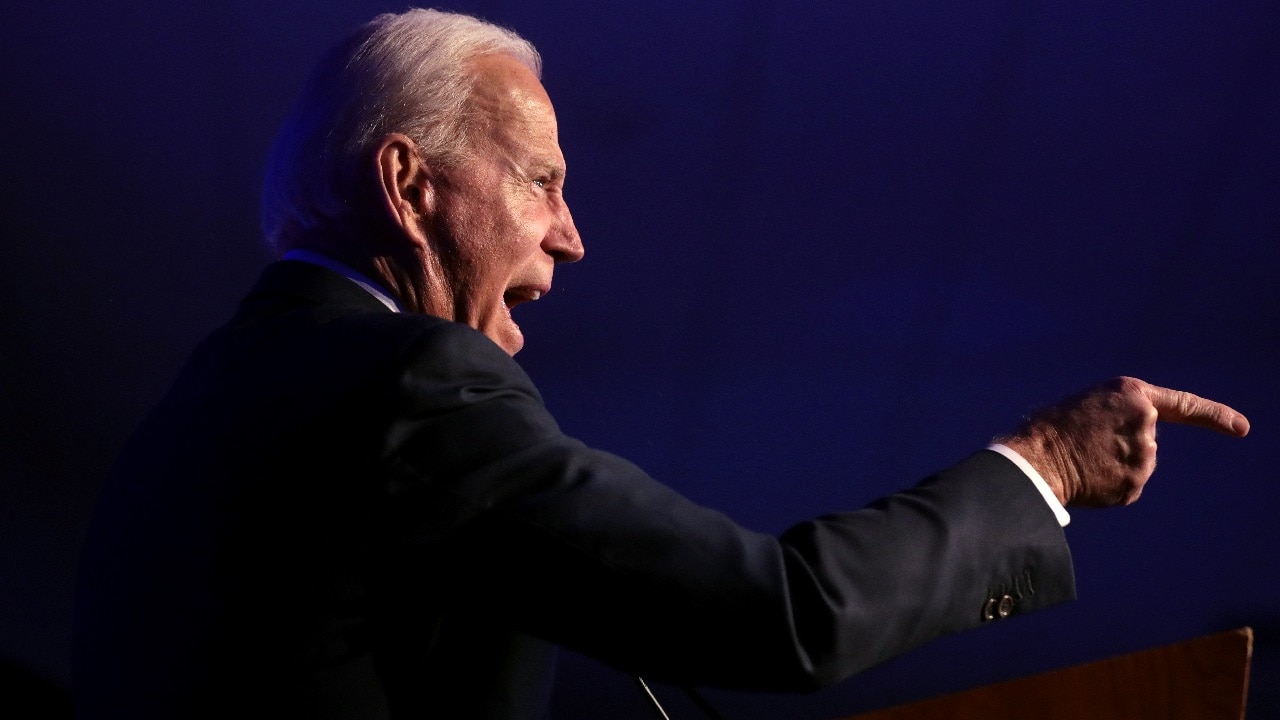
404 73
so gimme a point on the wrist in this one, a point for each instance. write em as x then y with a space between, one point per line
1036 450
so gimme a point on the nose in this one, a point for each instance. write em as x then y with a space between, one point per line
562 241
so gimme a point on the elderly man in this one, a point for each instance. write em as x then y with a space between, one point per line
352 503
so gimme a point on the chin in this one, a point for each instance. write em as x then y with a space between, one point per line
511 340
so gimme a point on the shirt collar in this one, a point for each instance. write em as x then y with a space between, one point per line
324 261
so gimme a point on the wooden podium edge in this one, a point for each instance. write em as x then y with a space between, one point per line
1205 678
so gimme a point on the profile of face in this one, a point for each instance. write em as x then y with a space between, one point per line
497 223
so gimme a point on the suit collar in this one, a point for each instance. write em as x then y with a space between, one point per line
370 286
315 284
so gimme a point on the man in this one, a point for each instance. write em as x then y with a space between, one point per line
352 503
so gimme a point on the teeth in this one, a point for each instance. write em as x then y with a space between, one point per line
519 295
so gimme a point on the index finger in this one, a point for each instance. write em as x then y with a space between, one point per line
1182 407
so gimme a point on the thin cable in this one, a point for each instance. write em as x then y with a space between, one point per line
644 687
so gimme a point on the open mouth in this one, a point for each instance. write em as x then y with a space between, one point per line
524 293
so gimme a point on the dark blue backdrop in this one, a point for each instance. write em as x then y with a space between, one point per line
829 249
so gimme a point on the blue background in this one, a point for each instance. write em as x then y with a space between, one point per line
830 248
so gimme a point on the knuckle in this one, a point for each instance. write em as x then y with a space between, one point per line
1129 385
1186 403
1133 488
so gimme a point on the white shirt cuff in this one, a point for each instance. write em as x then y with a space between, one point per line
1058 511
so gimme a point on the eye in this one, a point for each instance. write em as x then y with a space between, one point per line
540 183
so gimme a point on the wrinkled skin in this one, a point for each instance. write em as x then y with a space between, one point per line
1098 448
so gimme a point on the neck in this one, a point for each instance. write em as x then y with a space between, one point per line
409 279
401 270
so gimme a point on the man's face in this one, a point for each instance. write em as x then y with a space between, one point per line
501 223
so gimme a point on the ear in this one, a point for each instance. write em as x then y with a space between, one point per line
404 186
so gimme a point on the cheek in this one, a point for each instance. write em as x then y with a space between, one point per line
471 235
522 230
495 241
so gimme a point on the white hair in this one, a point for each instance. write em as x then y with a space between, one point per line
406 73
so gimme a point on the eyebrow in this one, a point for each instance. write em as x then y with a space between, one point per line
544 166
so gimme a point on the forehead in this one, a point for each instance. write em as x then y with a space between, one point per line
508 100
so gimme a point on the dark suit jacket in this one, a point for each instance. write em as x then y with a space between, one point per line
343 512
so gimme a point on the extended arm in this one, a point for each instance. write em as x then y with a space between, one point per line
584 549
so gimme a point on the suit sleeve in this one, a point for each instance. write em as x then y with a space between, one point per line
584 549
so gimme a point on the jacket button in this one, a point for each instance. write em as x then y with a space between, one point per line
1005 606
989 610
